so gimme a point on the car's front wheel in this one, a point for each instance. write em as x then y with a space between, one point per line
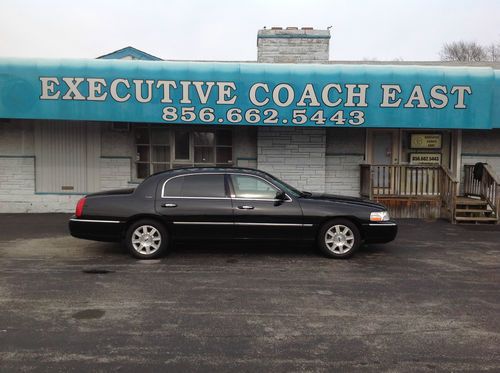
146 239
339 238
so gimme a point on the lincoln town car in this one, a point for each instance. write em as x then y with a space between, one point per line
227 204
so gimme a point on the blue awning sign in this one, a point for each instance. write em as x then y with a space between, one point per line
249 93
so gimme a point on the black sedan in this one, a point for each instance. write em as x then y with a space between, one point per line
227 203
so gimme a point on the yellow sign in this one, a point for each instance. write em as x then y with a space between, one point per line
425 141
425 158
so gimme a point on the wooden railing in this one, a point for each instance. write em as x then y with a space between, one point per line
488 187
410 181
400 180
449 191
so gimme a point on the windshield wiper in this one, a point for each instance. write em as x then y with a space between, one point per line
305 194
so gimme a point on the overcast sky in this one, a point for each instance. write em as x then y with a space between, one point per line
227 29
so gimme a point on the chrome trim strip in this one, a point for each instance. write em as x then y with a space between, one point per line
191 174
382 224
254 224
96 221
196 197
289 199
272 224
235 199
203 223
261 199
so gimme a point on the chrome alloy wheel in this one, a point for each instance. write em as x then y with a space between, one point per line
339 239
146 239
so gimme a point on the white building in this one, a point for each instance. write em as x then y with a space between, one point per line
404 141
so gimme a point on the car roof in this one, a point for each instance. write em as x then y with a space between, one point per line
196 170
149 184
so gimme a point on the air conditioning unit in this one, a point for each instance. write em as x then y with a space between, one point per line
120 126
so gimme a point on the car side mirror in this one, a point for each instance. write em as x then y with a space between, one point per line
280 195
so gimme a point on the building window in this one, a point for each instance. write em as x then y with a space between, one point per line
159 149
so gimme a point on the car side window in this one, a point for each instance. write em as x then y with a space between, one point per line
173 187
252 187
196 186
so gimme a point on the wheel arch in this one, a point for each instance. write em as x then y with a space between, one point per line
356 221
138 217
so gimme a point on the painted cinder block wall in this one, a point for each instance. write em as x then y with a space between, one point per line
293 45
18 190
296 155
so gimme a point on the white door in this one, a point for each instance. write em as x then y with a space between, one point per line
382 148
67 157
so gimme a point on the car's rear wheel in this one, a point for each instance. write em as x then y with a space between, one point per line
146 239
339 238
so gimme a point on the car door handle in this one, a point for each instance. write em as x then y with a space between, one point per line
169 205
245 207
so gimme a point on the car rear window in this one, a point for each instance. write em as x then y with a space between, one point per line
196 186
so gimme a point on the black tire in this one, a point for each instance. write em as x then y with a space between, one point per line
342 241
147 232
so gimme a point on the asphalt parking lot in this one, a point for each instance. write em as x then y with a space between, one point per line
429 301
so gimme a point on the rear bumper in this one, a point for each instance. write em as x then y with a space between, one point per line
97 230
380 232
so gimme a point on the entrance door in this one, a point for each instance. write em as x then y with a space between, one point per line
382 146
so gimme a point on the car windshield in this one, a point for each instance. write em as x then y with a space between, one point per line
288 188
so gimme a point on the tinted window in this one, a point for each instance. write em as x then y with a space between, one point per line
173 187
196 186
252 187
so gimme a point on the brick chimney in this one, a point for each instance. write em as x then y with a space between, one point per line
293 45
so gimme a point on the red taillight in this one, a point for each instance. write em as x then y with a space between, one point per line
79 207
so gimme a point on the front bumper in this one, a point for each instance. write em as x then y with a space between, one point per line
380 232
97 230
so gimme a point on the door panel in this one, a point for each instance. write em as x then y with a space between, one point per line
258 215
193 218
197 206
267 219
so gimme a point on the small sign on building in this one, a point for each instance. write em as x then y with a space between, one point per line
425 158
425 141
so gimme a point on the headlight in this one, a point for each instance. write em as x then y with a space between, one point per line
379 216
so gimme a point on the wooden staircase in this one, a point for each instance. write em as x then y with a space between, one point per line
474 210
481 201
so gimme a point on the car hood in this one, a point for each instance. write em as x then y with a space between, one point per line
348 200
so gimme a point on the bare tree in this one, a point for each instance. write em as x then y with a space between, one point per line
463 51
493 52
